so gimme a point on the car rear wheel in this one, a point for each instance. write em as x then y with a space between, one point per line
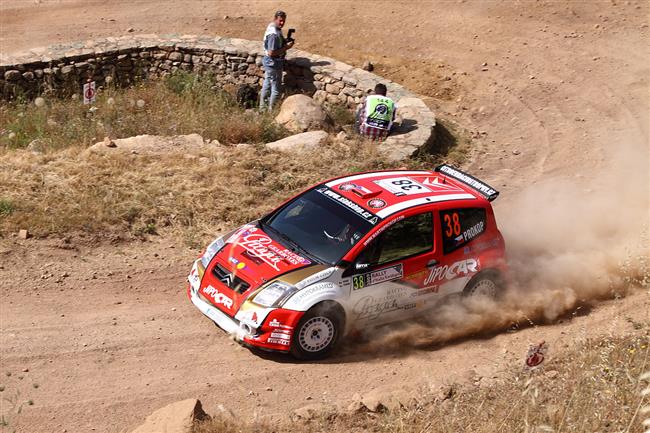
317 333
487 284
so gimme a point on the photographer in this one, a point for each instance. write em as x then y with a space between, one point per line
275 49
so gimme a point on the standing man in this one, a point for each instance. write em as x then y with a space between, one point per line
376 115
275 48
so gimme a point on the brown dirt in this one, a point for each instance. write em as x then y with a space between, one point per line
565 92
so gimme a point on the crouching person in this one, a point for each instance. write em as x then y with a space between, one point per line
376 115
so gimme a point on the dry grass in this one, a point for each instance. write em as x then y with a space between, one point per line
192 195
56 188
179 104
594 387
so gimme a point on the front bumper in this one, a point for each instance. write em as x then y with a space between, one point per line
273 335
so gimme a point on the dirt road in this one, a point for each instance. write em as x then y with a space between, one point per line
549 89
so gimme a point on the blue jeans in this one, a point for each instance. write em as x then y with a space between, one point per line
272 83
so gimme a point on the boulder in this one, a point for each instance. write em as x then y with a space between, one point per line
300 113
177 417
307 141
149 144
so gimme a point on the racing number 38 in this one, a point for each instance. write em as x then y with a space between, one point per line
452 224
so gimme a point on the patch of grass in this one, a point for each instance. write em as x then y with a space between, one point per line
6 207
192 195
593 387
182 103
341 115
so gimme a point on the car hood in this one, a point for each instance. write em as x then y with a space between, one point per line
248 259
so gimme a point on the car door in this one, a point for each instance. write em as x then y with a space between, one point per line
387 273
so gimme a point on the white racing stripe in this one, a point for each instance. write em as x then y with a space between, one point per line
418 201
379 174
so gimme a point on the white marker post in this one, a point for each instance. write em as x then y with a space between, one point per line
89 93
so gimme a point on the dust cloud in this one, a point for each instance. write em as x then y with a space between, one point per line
570 243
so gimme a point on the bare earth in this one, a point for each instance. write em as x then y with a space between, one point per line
565 90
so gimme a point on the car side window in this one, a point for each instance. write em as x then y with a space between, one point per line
408 237
460 226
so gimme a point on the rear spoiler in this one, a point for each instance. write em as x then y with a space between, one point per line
483 188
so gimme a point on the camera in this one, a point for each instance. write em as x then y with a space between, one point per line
290 34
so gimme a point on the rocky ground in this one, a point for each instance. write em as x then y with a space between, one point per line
98 337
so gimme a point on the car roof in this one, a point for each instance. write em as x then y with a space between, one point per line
385 193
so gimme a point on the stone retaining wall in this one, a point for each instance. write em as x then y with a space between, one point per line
63 69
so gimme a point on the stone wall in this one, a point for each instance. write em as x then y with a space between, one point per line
63 69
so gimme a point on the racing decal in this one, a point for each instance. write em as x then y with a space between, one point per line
277 340
382 229
363 213
348 186
303 298
462 267
482 187
401 186
239 265
349 179
389 210
371 307
260 246
436 184
376 203
275 323
460 226
218 297
379 276
318 276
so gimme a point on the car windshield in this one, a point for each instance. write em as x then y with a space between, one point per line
318 224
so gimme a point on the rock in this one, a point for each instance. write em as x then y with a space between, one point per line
108 142
368 66
149 144
312 411
23 234
307 141
37 146
342 136
300 113
130 30
13 75
178 417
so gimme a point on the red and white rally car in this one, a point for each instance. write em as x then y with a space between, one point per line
351 254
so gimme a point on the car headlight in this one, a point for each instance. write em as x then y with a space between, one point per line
274 294
211 251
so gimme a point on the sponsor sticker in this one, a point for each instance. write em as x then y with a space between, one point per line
282 341
348 186
376 203
275 323
218 297
379 276
261 246
449 272
343 201
401 186
469 180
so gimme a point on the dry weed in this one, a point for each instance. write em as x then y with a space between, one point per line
591 388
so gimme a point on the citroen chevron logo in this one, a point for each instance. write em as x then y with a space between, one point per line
227 279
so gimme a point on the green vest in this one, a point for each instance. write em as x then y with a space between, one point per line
379 111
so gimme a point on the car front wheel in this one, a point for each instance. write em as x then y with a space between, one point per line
317 333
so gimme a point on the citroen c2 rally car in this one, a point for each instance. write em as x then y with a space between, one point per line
351 254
